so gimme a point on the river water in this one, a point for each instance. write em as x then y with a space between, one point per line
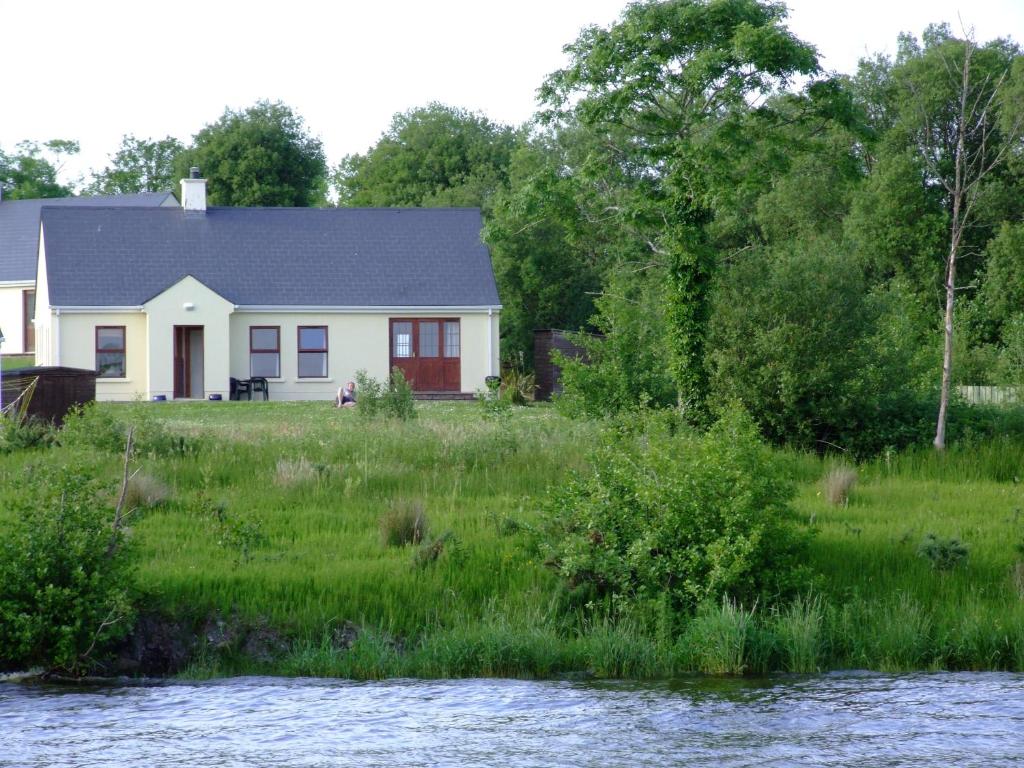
955 719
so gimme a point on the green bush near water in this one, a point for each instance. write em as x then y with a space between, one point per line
307 555
683 517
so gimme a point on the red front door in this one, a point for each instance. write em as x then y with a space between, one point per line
428 351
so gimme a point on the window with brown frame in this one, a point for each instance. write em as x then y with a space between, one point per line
312 351
110 351
265 351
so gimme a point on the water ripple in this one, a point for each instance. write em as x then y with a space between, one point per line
961 719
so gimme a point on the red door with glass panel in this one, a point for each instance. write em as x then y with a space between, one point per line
427 351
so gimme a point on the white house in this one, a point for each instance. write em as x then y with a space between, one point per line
19 246
178 301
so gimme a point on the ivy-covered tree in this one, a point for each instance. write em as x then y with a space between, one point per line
667 78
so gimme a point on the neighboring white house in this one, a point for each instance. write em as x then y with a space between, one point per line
19 245
178 301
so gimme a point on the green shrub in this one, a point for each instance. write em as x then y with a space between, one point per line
23 434
91 426
392 400
626 367
943 554
819 360
492 402
699 518
517 386
64 573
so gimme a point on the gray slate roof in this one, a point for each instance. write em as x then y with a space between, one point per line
19 227
348 257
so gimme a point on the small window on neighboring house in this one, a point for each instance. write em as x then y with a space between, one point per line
110 351
451 338
265 351
312 351
28 319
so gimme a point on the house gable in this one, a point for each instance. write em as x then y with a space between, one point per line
188 303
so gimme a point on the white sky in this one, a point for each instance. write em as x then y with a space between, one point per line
96 70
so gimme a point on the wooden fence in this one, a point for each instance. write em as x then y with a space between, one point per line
977 395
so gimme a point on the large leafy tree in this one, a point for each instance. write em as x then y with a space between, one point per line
552 240
433 156
31 171
139 165
259 156
665 84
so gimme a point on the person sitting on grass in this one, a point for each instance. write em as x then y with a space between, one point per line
346 396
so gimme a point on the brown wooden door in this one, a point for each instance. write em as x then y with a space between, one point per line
188 361
28 307
427 351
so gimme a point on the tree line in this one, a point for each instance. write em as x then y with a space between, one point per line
836 252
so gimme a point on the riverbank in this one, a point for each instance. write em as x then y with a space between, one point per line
260 551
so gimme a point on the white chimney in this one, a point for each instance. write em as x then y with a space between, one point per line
193 192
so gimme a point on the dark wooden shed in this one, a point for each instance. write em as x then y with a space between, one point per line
57 389
548 374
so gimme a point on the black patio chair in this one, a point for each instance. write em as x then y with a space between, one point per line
259 384
238 387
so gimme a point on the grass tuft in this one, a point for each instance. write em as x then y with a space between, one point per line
837 484
145 492
405 522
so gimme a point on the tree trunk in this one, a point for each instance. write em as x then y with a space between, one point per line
947 354
955 232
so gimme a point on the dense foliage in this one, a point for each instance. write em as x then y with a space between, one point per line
259 156
64 573
433 156
693 519
818 359
31 170
139 165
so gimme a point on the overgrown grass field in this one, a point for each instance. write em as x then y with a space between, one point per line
272 512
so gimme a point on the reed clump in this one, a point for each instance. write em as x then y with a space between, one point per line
144 491
838 483
405 522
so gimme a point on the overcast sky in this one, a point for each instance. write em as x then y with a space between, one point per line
93 71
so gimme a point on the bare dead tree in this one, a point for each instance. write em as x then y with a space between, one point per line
119 511
976 152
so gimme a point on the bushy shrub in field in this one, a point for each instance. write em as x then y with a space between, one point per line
816 358
695 517
103 428
393 399
64 573
492 401
18 434
627 366
943 554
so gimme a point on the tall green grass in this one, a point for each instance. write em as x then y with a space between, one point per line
273 512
